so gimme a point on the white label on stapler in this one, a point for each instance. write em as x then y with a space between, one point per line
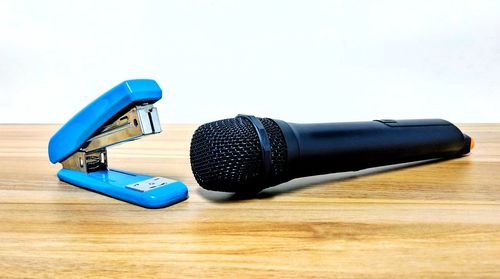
150 184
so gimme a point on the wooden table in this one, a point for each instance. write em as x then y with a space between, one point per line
430 220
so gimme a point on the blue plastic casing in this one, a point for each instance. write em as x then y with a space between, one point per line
69 138
113 183
84 124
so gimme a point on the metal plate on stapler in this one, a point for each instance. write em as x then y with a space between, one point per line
150 184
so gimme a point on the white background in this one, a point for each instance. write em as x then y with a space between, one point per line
302 61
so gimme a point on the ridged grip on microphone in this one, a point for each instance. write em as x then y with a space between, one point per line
226 155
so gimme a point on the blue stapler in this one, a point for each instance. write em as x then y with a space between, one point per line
124 113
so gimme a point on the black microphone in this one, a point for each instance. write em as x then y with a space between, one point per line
247 154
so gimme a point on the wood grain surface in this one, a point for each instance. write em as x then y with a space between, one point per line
439 219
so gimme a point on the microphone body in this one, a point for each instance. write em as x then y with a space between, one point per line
335 147
248 154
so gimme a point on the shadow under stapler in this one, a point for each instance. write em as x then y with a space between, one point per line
306 182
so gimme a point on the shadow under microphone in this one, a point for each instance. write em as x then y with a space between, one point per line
246 154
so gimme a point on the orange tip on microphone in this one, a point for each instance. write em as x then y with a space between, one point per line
472 143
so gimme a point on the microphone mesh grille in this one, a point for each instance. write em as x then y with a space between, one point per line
226 155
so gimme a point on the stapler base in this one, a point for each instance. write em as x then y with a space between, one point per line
143 190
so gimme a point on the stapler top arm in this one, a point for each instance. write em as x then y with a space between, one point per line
89 120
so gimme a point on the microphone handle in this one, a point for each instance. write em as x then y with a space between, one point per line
315 149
